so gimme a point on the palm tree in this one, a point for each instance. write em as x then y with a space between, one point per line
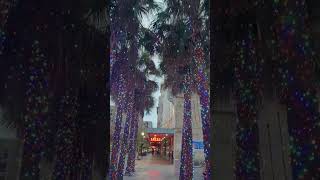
143 101
296 75
174 36
125 23
135 72
247 70
51 37
197 11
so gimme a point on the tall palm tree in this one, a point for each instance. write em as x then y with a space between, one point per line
51 37
296 75
174 46
125 25
143 101
33 48
236 42
197 11
248 68
135 72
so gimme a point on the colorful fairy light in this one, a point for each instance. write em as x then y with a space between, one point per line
118 84
116 134
295 72
35 117
203 90
65 136
202 82
124 145
186 166
132 144
247 73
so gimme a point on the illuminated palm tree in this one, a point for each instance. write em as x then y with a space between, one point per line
40 77
173 44
125 25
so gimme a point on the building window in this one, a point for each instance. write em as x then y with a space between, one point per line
3 164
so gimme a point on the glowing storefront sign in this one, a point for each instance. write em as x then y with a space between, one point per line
156 139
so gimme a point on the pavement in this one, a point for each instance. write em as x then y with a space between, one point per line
155 168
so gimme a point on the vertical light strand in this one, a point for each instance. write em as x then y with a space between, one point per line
65 136
130 169
203 91
124 145
186 166
35 121
248 70
116 134
295 59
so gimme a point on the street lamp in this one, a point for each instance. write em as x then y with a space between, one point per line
142 134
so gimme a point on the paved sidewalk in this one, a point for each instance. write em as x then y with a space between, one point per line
155 168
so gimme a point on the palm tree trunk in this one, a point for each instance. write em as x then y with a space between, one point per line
35 118
115 144
132 144
247 73
31 154
203 91
65 139
76 164
86 169
297 90
124 145
116 134
186 166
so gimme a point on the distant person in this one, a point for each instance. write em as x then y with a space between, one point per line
172 156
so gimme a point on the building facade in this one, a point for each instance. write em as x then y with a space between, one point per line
165 110
147 124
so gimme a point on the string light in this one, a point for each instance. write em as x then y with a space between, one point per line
247 73
132 145
186 165
203 90
35 118
119 87
65 136
124 145
295 63
116 134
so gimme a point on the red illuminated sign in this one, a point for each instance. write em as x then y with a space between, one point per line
156 139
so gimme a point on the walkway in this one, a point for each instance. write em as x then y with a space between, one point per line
155 168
